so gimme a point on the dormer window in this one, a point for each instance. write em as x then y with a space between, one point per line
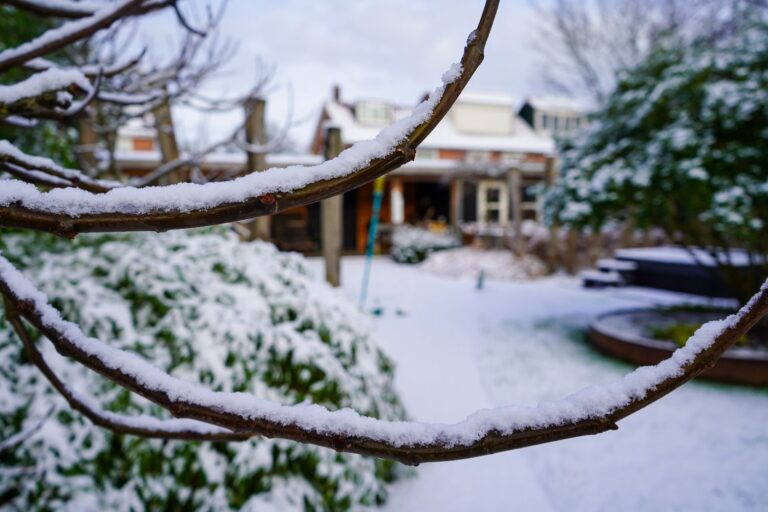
375 113
544 122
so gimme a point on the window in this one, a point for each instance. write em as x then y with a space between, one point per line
374 113
143 144
544 121
530 193
493 203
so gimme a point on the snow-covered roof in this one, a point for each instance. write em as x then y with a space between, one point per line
489 98
556 103
217 160
446 136
522 140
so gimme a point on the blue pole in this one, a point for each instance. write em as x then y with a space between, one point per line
378 195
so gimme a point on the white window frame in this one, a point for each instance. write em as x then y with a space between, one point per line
484 206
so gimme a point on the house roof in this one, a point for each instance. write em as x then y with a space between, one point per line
556 103
446 136
490 98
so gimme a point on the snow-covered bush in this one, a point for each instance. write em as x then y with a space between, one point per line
682 144
234 316
411 244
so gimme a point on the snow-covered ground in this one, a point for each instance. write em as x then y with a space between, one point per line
458 349
494 264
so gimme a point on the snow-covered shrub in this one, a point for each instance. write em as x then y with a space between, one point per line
234 316
411 244
682 144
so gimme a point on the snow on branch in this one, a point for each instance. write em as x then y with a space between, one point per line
35 166
32 176
57 8
68 33
142 426
590 411
47 94
51 80
90 70
68 211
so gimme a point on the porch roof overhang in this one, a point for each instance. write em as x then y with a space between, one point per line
443 168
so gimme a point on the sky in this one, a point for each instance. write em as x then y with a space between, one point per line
394 50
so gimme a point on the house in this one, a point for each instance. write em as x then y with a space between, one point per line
477 171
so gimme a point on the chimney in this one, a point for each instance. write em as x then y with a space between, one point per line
336 93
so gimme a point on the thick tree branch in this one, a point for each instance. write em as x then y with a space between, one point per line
161 215
37 166
59 37
591 411
33 176
57 8
143 426
67 9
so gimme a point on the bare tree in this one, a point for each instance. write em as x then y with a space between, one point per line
584 44
88 205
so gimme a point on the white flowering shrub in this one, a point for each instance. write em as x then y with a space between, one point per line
208 308
411 244
682 144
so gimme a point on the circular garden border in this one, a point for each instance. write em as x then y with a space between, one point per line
737 366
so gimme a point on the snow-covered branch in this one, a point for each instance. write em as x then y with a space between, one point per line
90 70
68 212
17 162
142 426
57 8
590 411
44 94
66 34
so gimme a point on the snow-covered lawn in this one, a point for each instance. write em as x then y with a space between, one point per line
494 264
458 349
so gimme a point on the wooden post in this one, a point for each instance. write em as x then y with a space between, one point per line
87 140
516 199
331 221
457 190
256 134
166 139
396 201
553 252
